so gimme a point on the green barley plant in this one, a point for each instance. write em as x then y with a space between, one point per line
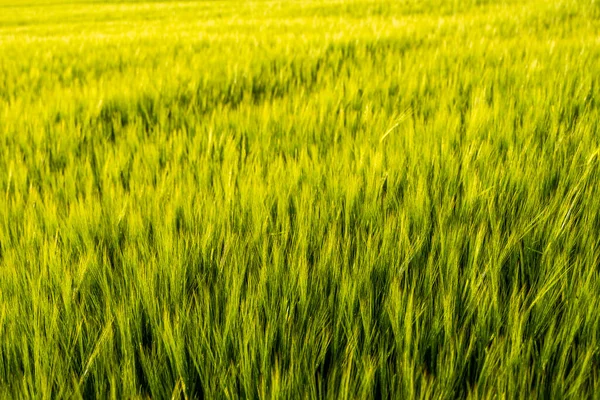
299 199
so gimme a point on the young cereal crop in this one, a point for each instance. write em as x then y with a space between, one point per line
300 199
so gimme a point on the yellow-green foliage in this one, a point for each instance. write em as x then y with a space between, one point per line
300 199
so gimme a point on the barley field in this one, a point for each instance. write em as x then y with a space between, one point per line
346 199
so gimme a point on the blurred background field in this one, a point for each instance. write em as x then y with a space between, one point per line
290 199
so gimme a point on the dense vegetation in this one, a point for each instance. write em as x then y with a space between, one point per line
344 199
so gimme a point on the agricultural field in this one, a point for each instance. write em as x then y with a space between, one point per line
300 199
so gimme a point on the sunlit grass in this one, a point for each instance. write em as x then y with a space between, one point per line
299 199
